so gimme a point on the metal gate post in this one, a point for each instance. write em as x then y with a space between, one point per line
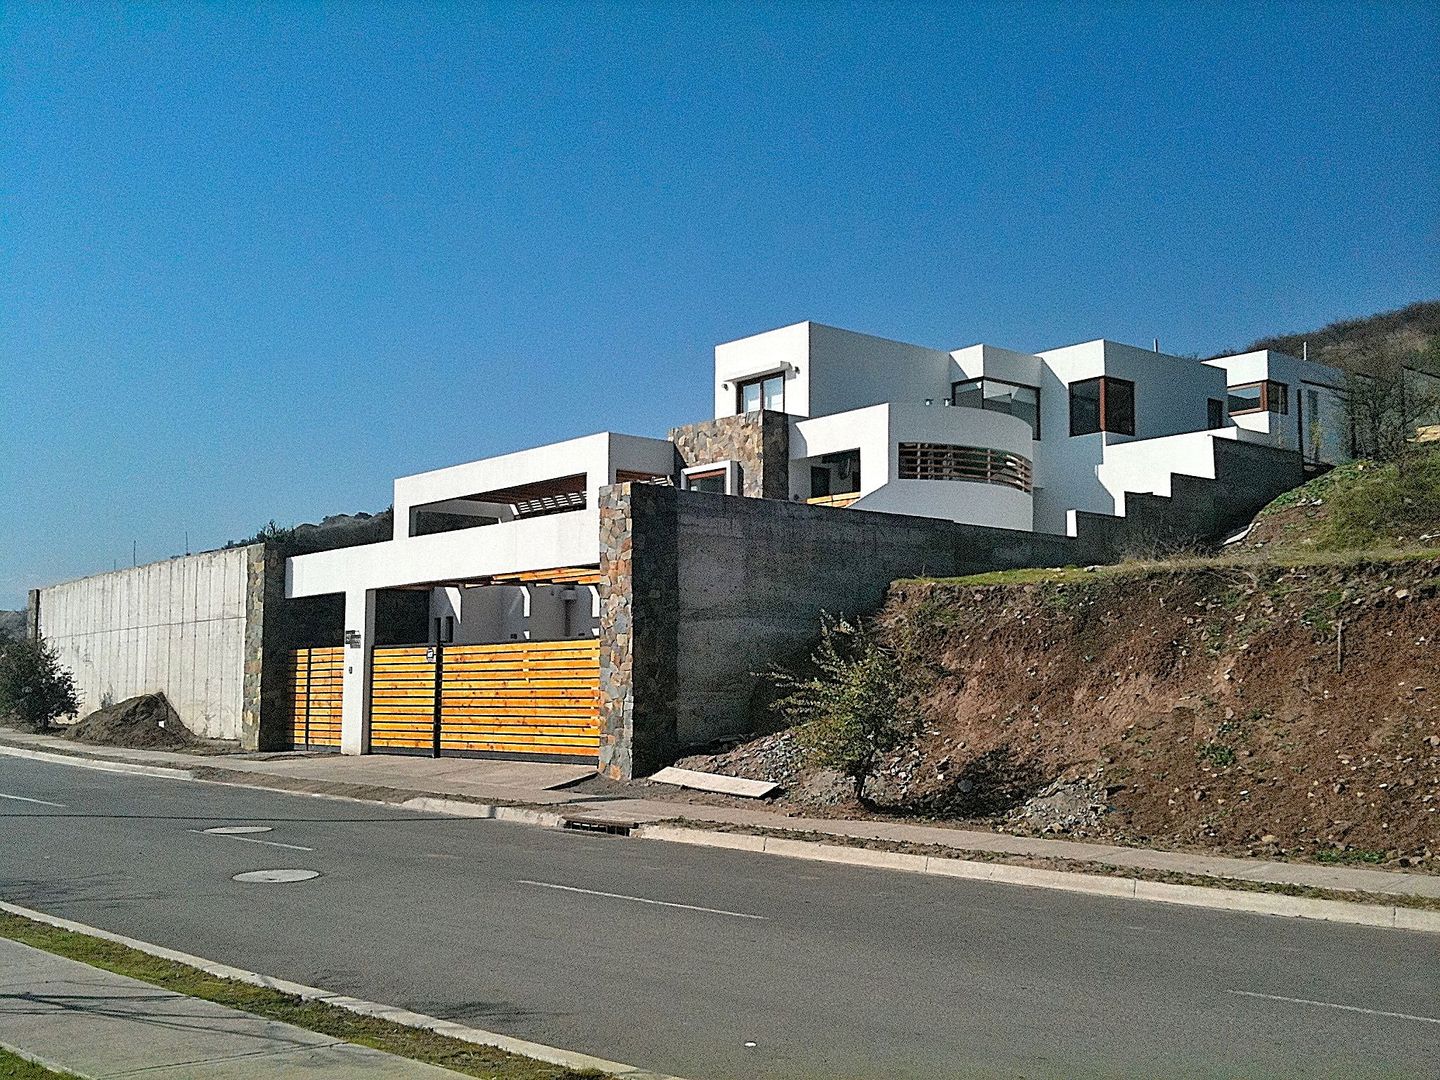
309 689
439 681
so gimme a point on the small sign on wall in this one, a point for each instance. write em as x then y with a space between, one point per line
352 639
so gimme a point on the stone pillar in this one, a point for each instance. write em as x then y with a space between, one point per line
359 642
32 615
639 569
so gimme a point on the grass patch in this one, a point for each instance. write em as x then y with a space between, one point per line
1270 558
1350 855
1385 504
15 1067
417 1043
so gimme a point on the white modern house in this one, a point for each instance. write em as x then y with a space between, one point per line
1030 439
511 551
608 598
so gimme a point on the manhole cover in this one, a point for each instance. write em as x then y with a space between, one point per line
276 876
237 830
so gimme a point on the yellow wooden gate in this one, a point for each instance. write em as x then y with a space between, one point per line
523 699
402 700
316 685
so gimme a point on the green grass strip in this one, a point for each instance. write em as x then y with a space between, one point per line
15 1067
398 1039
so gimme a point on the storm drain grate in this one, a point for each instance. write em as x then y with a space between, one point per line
597 825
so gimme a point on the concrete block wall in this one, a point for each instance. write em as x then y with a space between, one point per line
700 592
177 627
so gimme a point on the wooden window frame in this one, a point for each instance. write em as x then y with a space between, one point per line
1270 389
1105 420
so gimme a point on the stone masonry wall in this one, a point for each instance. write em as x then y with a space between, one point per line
759 441
637 630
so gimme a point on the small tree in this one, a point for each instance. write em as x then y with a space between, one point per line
849 709
34 687
1385 405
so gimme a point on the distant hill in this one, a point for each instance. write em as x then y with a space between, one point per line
12 624
335 531
1352 343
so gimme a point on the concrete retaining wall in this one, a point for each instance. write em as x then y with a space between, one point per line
177 627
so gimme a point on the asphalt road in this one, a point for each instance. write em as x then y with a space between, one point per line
740 966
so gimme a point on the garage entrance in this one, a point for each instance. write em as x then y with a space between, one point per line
536 700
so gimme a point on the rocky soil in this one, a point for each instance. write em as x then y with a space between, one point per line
1281 711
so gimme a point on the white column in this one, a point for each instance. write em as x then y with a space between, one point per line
359 639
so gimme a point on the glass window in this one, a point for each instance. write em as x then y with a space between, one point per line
1102 404
1214 413
1085 407
1118 405
767 392
750 397
1266 396
996 395
1245 399
1277 398
712 481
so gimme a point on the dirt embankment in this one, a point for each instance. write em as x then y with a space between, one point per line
1250 709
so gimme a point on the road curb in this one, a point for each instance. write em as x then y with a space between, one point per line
1252 902
489 811
84 761
553 1055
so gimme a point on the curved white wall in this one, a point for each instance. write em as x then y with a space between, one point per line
877 433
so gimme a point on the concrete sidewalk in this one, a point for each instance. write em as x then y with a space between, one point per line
398 778
82 1020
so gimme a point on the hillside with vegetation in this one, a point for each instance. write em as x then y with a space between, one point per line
1360 345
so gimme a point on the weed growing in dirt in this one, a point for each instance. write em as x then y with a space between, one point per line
1217 754
1350 855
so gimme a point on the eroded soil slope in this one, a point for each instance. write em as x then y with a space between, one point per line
1224 705
1241 708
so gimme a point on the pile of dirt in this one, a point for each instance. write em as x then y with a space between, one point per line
146 722
1239 707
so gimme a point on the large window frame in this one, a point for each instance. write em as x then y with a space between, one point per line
1272 393
964 384
763 383
1112 415
704 478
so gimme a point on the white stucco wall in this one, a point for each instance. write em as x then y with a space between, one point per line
175 627
597 456
785 349
829 370
1315 423
877 432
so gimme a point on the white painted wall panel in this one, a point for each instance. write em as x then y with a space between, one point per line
176 627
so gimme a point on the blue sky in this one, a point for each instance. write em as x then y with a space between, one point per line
257 261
